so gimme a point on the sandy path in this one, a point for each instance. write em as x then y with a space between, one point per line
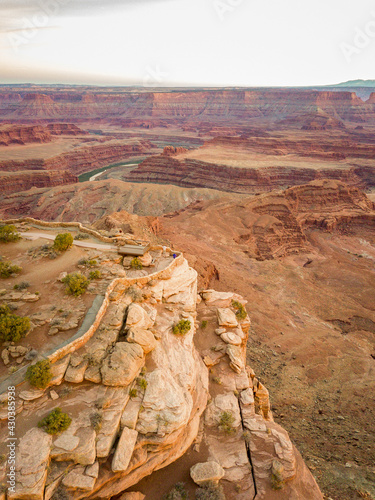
34 235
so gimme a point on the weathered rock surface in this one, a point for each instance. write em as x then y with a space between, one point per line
142 337
122 365
124 450
32 458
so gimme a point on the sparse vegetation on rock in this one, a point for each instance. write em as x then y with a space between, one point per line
76 283
133 393
57 421
12 327
95 275
211 491
182 327
226 422
22 285
7 269
204 324
62 242
241 311
136 263
142 382
39 375
9 233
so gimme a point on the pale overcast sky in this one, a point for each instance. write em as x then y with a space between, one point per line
187 42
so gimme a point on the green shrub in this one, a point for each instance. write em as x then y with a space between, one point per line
226 422
12 327
95 275
142 382
182 327
136 263
55 422
76 284
7 270
204 324
133 393
62 242
39 375
241 311
21 286
177 493
9 233
210 492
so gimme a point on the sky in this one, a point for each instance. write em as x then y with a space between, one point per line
187 42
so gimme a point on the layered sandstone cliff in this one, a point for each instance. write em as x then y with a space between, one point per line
140 392
18 181
24 135
240 105
195 173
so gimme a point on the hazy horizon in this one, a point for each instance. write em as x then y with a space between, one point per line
186 43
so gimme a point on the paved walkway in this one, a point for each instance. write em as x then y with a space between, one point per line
34 235
19 376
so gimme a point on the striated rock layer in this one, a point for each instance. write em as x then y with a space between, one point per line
140 392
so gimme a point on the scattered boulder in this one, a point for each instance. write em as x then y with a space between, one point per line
231 338
206 473
53 395
226 317
236 357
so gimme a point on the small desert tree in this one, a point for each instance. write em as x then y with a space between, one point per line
76 284
12 327
57 421
7 269
8 233
39 375
62 242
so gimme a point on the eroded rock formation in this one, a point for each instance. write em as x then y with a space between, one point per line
141 390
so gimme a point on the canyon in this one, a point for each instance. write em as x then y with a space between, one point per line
268 194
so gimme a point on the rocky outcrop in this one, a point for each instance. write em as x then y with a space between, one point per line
24 135
64 129
274 225
22 181
133 422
